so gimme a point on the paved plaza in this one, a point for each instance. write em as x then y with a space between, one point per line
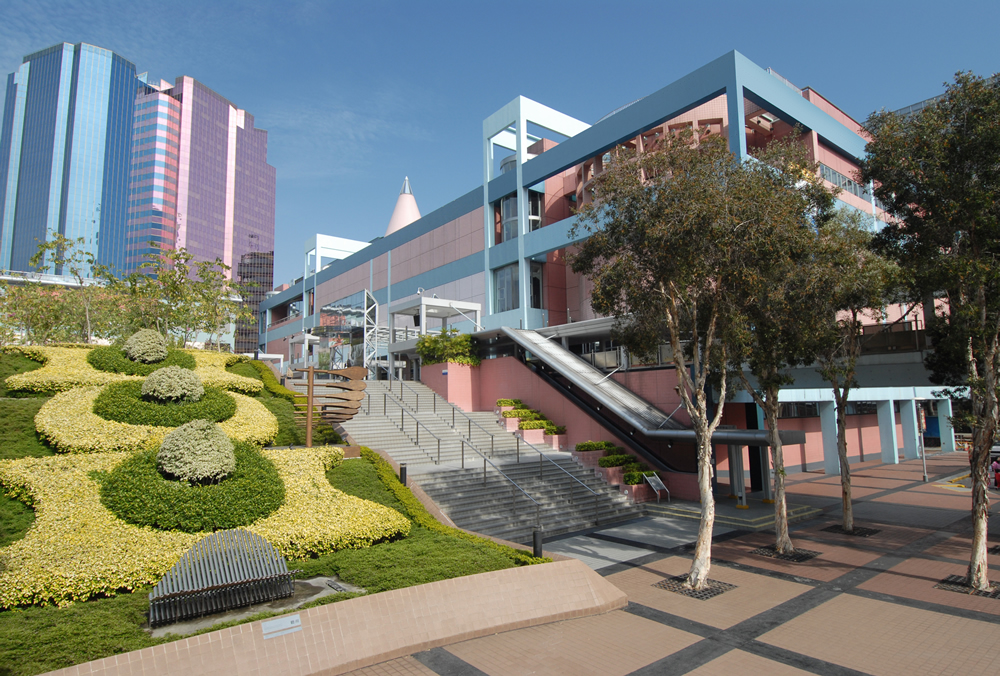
862 605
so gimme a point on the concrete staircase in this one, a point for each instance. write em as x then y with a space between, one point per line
497 508
417 427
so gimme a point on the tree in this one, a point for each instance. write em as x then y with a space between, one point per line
778 291
663 241
859 282
937 174
218 299
66 256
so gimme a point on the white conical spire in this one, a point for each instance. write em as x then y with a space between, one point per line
406 210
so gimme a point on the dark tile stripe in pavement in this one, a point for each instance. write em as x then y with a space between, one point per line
679 549
926 605
443 663
743 636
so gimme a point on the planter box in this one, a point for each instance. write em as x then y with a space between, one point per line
640 492
534 436
506 408
511 424
556 441
588 458
611 475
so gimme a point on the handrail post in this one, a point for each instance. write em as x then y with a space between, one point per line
418 432
484 471
453 417
463 453
439 451
309 409
540 457
597 512
384 397
518 448
491 446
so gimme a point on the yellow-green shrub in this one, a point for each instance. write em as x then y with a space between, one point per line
316 517
69 423
63 369
78 549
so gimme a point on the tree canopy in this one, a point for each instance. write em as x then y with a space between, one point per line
937 173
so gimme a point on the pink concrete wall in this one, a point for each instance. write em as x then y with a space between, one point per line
457 383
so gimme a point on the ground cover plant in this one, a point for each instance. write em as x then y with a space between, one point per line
12 364
124 402
113 359
38 639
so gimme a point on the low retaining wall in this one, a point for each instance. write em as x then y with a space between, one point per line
348 635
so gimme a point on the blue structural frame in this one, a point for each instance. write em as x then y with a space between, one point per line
731 74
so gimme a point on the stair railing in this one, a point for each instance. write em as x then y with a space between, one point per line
402 424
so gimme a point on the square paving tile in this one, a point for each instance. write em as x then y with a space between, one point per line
753 594
740 662
834 559
915 579
938 498
885 639
404 666
888 539
960 548
888 512
595 553
612 644
666 533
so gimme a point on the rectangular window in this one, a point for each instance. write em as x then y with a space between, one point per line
507 289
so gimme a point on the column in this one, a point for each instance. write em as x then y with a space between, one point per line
911 428
944 423
828 425
887 431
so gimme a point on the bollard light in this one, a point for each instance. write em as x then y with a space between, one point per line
402 473
537 543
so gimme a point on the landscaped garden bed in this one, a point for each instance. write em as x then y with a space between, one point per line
90 520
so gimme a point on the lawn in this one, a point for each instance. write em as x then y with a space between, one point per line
39 639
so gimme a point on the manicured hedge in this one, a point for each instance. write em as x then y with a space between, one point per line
137 493
508 402
69 424
635 478
112 359
616 460
420 516
271 383
123 402
596 446
63 369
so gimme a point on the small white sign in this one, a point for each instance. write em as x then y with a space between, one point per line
281 626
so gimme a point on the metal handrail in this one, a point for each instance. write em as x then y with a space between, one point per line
434 397
402 423
464 442
492 445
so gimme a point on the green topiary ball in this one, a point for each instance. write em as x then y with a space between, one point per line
147 346
173 383
199 452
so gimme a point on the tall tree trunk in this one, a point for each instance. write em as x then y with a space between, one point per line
782 543
698 575
985 408
840 396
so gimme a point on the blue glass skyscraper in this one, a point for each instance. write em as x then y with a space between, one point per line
64 153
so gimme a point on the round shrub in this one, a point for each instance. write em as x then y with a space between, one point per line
596 446
147 346
123 402
635 478
114 360
615 460
198 451
137 493
173 383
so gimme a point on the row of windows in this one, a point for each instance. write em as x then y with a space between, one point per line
154 163
811 410
157 126
846 184
155 151
152 200
157 139
159 102
147 188
158 114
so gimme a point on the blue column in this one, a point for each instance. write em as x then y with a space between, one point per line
944 422
828 425
887 431
735 109
911 428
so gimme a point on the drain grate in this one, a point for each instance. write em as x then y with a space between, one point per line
798 556
712 587
956 583
857 532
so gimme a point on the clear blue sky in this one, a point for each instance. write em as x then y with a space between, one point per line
356 95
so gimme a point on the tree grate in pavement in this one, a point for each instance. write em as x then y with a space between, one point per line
798 556
957 583
858 531
676 584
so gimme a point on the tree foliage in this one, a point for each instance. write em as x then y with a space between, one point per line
938 174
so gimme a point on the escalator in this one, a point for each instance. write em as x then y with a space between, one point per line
662 441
